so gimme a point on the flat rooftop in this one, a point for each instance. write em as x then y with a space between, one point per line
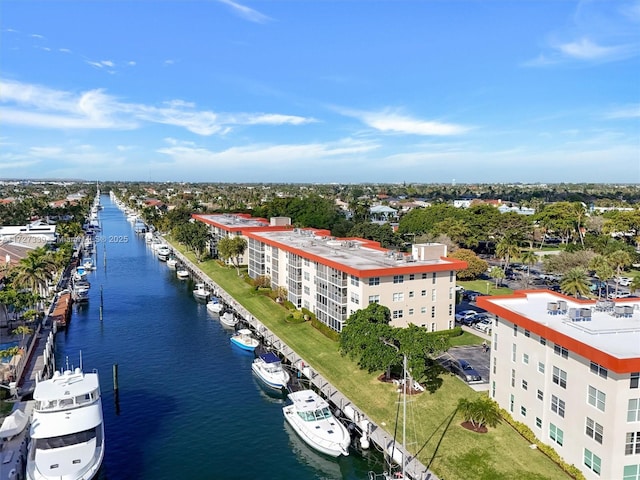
611 328
234 220
352 253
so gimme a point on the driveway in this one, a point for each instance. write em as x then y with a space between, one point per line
477 357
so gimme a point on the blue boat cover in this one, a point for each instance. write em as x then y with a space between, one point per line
270 357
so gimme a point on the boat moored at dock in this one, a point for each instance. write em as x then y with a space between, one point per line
245 340
310 416
268 368
67 429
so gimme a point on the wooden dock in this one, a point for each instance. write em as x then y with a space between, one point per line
414 469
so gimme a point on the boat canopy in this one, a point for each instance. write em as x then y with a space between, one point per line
270 357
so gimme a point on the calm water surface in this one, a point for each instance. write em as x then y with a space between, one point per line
189 407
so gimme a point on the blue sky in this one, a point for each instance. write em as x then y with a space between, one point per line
321 91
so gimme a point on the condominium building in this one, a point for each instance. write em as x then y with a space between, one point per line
333 277
570 370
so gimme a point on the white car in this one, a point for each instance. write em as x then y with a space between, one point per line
483 326
464 314
624 281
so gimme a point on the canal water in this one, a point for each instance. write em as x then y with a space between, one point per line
188 405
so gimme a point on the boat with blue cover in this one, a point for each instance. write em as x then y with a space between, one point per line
268 368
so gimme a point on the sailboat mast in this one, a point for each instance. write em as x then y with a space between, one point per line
404 412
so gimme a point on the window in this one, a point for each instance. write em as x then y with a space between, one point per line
598 370
411 311
450 309
495 364
451 276
597 398
594 430
525 358
373 281
525 385
355 298
374 298
423 309
433 326
433 295
632 443
633 410
355 281
631 472
540 395
411 294
433 312
493 389
635 380
557 405
398 279
540 367
306 275
559 377
412 277
556 434
513 352
424 276
398 297
592 461
450 293
515 330
511 400
527 333
560 350
433 278
523 411
307 290
423 293
397 314
543 341
538 422
513 377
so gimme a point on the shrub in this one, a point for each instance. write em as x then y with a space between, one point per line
325 330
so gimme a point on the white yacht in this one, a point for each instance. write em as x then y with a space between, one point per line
310 416
269 369
201 292
67 429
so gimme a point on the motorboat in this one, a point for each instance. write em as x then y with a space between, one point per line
268 368
172 262
228 319
80 291
67 428
182 273
80 273
310 416
214 305
163 252
88 264
245 340
201 292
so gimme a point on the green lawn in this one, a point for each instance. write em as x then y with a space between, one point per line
499 454
488 287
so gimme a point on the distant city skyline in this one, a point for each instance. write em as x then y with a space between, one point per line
351 91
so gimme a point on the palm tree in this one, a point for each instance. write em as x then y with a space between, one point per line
481 412
507 249
575 282
635 284
22 330
529 258
603 270
619 260
496 273
34 271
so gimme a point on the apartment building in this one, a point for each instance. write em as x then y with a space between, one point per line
230 224
333 277
570 370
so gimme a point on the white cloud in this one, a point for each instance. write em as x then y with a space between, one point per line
629 111
131 63
64 50
392 122
246 12
33 105
585 49
35 35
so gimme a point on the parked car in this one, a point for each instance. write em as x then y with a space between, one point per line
464 316
484 326
624 281
471 295
482 317
464 370
613 295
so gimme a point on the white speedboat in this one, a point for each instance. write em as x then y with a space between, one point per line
245 340
182 273
269 369
201 292
228 319
67 429
214 305
310 416
172 262
163 253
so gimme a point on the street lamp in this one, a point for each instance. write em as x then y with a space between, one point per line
488 288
